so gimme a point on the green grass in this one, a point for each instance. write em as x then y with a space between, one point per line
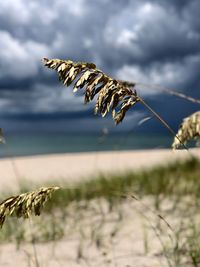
177 179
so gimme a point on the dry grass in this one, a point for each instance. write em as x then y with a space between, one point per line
111 92
98 216
115 95
189 129
25 204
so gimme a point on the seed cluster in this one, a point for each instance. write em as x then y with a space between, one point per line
113 95
189 129
25 204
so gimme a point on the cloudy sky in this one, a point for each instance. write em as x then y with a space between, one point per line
155 42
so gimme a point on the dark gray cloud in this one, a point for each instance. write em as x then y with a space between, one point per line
155 41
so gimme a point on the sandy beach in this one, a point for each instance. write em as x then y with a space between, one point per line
127 248
73 167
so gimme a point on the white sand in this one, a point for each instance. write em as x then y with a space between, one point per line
126 248
73 167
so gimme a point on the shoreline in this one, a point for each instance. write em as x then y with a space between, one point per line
194 150
73 167
80 152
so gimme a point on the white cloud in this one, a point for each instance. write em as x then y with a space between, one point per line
77 8
15 11
19 59
126 37
43 99
144 40
148 31
169 74
22 12
60 98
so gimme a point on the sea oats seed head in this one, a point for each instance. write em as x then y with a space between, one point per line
25 204
111 93
189 129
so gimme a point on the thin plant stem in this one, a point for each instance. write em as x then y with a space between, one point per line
161 120
33 244
172 92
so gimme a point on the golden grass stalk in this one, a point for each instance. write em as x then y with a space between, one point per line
115 95
189 129
25 204
111 93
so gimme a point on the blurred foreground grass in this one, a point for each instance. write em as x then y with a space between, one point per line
179 179
173 190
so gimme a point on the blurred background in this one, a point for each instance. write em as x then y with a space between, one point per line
154 42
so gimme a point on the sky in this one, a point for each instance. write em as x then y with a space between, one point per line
154 42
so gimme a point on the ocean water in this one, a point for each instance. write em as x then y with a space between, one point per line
37 144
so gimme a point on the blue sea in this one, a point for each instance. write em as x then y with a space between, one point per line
38 144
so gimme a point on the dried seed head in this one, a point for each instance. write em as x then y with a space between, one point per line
111 93
25 204
189 129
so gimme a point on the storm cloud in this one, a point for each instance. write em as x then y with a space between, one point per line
155 42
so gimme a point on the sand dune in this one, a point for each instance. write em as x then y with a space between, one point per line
127 247
73 167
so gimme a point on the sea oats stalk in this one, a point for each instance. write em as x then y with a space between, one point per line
25 204
164 90
111 93
115 95
189 129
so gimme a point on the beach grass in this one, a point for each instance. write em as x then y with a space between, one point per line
175 183
176 179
